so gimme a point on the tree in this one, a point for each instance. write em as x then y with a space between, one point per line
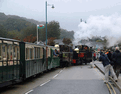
53 30
51 41
67 41
14 34
29 31
30 38
16 24
3 31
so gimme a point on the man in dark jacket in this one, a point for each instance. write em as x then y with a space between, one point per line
107 67
109 54
116 57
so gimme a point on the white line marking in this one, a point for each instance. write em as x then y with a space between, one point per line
55 75
44 83
60 71
28 92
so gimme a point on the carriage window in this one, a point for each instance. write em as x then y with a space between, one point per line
31 53
38 53
11 52
15 52
8 52
4 52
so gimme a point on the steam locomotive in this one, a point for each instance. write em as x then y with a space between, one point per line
82 54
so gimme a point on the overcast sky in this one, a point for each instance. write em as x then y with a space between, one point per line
67 12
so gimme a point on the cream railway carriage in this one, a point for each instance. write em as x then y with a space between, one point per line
20 60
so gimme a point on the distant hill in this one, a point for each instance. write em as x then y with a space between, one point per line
4 17
13 22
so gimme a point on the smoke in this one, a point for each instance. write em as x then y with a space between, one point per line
109 26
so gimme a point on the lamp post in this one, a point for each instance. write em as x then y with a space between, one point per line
46 16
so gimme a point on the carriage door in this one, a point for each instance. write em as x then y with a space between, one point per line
3 63
16 60
35 61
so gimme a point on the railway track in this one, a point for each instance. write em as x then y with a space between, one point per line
111 85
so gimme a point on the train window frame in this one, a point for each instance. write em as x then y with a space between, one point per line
37 52
29 47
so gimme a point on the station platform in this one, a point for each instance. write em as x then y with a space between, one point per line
80 79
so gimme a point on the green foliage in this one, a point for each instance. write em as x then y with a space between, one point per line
14 34
53 29
3 31
28 31
16 24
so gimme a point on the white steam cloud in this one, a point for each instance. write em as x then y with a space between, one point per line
109 26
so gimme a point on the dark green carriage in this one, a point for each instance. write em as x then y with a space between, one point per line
9 61
53 61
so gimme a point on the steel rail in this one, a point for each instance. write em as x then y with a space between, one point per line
109 88
114 92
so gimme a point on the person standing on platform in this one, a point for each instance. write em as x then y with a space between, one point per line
116 57
94 56
107 67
